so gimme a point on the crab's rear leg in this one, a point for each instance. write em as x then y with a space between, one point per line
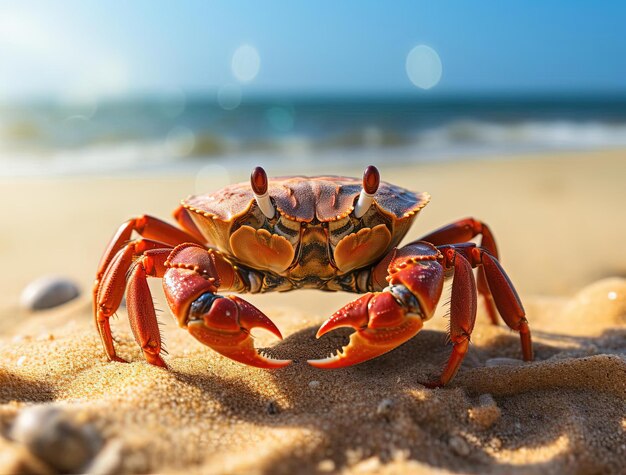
141 312
110 281
148 227
181 215
461 258
110 291
462 231
462 312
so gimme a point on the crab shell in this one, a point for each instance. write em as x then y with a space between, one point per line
314 233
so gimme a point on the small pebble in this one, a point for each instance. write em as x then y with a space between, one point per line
314 384
459 445
503 362
48 292
384 407
57 440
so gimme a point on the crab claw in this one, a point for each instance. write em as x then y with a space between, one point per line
381 324
224 324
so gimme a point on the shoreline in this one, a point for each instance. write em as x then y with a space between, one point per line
294 162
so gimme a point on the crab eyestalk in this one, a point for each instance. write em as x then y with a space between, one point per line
258 181
371 181
224 324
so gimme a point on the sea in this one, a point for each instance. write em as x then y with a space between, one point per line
165 134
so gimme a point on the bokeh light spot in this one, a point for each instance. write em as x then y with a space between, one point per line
246 63
229 97
423 66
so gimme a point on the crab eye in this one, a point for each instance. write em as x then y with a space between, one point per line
371 181
258 181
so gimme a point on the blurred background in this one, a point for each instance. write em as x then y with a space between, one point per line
110 110
109 87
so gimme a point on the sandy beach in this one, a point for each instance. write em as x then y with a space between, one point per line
559 223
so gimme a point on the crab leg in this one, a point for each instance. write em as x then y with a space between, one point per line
194 275
109 290
181 215
462 313
506 299
461 258
148 227
462 231
141 313
109 285
415 274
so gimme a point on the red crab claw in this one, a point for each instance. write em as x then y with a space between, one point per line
224 324
381 324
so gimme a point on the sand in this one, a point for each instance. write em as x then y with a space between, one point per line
559 223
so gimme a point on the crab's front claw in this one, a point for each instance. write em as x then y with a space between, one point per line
224 324
381 324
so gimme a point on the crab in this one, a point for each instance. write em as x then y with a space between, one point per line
325 232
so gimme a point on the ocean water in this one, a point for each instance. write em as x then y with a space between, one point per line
41 138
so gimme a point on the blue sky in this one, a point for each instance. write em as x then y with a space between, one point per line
118 47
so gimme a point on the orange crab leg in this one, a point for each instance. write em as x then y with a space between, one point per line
148 227
506 299
181 215
462 313
109 291
462 258
141 313
110 282
461 231
194 275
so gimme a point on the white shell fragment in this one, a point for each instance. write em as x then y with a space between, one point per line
48 292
